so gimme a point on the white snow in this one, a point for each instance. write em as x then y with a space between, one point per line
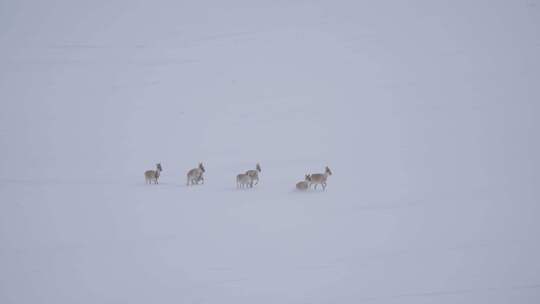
426 112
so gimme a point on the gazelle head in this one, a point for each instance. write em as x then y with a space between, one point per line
201 167
308 178
258 167
328 171
158 166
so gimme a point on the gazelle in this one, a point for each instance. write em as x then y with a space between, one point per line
194 176
320 178
304 185
152 175
244 180
254 174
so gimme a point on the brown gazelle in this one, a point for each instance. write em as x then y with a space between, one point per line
320 178
194 176
254 174
243 180
304 185
153 175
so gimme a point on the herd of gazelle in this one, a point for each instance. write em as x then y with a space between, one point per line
243 180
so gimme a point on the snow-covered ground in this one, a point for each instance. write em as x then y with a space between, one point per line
426 112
